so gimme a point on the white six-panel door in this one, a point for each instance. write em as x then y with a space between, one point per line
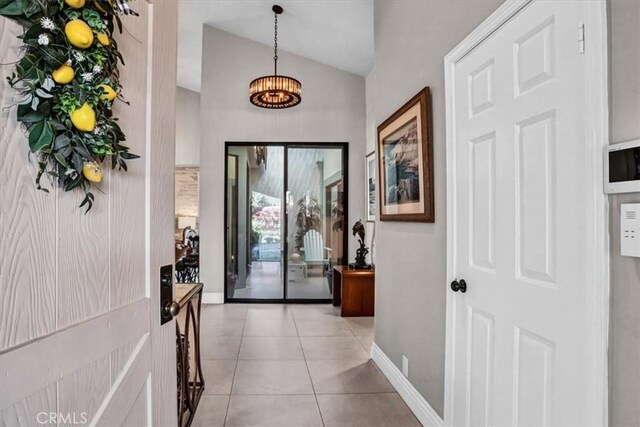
520 349
80 335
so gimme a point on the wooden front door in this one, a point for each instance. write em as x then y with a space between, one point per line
80 334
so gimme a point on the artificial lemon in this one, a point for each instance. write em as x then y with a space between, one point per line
109 94
75 4
84 118
79 34
103 39
92 171
63 75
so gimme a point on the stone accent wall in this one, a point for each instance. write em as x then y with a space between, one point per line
187 191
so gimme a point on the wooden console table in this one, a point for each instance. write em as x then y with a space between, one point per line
354 291
189 370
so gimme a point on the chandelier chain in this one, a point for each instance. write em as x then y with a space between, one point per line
275 45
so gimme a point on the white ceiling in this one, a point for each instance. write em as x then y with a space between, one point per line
338 33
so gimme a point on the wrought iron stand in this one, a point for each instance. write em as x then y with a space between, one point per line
190 377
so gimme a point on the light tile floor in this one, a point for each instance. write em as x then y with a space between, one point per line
292 366
265 281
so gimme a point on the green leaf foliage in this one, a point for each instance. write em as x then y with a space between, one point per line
41 135
47 100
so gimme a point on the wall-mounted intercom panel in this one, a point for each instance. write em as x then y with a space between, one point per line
630 229
622 167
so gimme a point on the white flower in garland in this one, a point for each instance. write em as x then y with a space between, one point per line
47 24
72 173
69 62
87 77
35 101
79 57
97 69
48 84
43 39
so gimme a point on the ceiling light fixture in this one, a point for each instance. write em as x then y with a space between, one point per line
275 91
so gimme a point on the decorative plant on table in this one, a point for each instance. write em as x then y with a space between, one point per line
307 218
68 79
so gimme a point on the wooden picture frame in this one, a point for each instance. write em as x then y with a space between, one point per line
405 162
371 184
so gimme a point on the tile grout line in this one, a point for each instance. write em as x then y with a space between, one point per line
315 396
363 347
244 324
359 342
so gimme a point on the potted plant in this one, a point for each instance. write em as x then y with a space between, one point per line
307 218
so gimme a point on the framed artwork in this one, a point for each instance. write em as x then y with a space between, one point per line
370 182
405 162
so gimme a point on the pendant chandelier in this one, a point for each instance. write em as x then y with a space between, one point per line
275 91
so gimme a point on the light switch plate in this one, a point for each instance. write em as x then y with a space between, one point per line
630 230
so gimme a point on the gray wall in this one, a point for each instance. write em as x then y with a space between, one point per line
332 110
411 40
624 355
187 128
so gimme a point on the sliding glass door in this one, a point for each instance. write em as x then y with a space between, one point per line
315 208
255 201
285 219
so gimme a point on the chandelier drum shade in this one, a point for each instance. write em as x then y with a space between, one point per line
275 91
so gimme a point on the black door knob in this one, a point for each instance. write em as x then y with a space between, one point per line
459 286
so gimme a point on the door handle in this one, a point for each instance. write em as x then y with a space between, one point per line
171 309
459 286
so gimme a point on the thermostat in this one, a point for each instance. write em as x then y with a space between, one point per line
630 229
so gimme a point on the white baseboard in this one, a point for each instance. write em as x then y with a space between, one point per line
213 298
414 400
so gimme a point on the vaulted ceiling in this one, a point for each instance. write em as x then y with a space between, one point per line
338 33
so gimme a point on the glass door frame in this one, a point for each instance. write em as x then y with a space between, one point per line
344 146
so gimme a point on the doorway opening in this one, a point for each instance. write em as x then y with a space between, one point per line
285 220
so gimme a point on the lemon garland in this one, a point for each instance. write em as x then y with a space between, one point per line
68 80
